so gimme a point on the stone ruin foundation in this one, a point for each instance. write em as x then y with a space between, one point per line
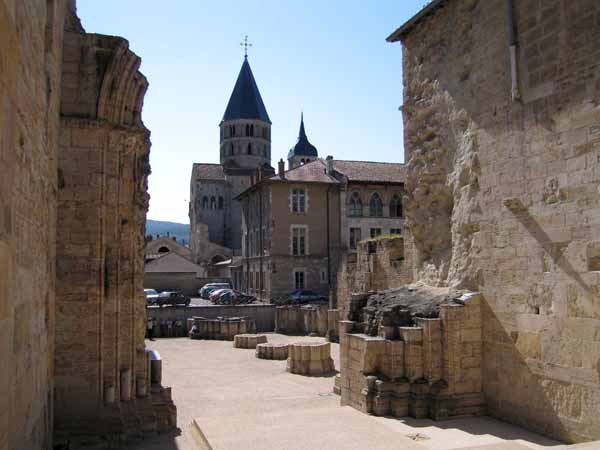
413 351
221 328
302 319
310 358
272 351
249 341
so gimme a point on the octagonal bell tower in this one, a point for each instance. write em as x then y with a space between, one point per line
246 127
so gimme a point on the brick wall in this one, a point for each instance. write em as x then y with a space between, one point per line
503 196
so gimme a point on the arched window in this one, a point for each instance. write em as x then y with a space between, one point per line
231 130
231 149
251 130
213 203
302 162
396 206
164 250
205 202
247 130
355 205
220 202
249 148
376 206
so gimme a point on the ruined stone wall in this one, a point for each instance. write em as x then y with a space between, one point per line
503 195
432 369
30 56
378 264
100 361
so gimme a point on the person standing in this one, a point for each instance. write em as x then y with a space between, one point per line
150 328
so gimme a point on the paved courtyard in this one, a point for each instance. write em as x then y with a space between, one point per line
227 399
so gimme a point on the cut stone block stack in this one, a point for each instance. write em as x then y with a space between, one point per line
302 320
310 358
221 328
272 351
432 369
248 340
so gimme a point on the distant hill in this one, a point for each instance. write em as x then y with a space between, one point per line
181 231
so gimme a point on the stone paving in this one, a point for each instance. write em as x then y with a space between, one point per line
238 401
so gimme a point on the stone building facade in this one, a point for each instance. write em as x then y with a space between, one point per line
309 221
291 233
502 141
245 147
73 199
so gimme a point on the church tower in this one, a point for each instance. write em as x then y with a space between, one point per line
246 127
303 152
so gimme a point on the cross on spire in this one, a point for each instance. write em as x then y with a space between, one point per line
245 44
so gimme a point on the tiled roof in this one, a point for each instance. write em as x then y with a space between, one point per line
202 171
171 263
373 172
312 172
245 101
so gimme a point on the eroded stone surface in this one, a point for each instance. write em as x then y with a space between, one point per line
272 351
249 341
310 358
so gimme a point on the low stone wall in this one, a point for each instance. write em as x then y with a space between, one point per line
430 370
222 328
302 320
263 315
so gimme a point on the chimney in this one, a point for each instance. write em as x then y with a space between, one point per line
281 168
329 165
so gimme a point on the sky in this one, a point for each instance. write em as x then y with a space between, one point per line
328 59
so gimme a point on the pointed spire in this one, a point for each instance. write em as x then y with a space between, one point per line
302 134
246 101
303 147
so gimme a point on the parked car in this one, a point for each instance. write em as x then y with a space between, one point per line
151 296
301 296
173 297
206 290
215 294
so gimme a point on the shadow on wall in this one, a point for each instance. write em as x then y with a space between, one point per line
505 357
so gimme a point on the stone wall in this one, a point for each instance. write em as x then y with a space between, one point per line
503 195
30 56
432 369
101 366
378 264
302 320
262 315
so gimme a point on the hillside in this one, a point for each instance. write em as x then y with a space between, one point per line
181 231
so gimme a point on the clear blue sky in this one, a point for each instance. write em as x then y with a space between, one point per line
327 58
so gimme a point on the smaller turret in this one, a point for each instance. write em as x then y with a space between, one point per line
303 152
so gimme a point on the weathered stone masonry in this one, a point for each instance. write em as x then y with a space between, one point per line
503 194
71 361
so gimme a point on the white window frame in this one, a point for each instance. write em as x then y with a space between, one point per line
294 280
306 240
298 200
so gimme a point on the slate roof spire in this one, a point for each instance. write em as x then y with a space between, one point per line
245 101
303 147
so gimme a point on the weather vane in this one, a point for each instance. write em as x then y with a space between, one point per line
245 44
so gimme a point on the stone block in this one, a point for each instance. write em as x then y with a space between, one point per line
248 341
